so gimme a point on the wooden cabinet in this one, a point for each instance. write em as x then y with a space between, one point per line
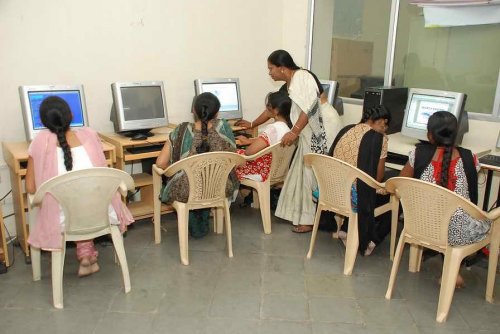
16 156
129 151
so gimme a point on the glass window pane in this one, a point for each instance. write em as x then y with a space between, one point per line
461 59
349 43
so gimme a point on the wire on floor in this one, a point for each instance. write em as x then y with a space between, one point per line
7 194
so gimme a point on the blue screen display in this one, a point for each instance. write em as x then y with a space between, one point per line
72 97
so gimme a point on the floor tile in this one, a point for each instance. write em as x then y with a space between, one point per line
269 286
285 307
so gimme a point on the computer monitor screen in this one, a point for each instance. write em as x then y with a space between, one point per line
422 103
138 107
227 91
32 97
330 89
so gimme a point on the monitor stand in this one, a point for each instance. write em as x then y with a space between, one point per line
137 133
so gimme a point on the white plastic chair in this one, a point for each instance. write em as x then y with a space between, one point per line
85 196
281 157
207 175
335 178
427 211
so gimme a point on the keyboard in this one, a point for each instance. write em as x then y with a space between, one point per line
490 159
241 133
144 149
396 158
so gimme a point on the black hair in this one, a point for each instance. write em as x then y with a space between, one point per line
281 102
206 106
282 58
56 116
443 126
376 113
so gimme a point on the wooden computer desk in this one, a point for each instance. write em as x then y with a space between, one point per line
15 155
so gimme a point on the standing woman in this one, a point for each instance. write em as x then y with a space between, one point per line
295 203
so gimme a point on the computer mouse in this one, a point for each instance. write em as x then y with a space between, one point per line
139 136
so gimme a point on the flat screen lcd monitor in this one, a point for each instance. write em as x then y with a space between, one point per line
331 89
422 103
227 91
32 97
138 107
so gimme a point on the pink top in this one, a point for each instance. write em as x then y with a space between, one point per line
47 231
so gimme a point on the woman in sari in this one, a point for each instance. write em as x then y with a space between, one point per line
206 134
303 87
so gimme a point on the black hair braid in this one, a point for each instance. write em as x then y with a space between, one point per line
204 146
445 166
68 159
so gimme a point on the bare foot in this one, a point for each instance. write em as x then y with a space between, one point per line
342 236
370 248
460 284
85 268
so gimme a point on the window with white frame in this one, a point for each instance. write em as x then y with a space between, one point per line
454 56
349 43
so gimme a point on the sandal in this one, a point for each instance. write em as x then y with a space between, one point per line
302 228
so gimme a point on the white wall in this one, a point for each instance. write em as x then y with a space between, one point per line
97 42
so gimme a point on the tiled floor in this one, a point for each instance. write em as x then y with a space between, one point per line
268 287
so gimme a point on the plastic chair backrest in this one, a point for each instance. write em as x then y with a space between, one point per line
280 162
85 196
428 208
335 178
207 174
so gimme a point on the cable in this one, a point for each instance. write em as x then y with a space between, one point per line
11 242
7 194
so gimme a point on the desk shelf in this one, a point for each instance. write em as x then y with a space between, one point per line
143 182
142 179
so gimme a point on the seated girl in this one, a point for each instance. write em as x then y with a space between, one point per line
56 151
364 145
206 134
455 168
277 107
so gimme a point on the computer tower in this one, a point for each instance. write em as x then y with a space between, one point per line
393 98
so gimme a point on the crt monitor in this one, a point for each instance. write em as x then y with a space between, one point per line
227 91
422 103
32 97
138 107
331 90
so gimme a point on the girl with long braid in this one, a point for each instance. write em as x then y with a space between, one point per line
455 168
206 134
55 151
